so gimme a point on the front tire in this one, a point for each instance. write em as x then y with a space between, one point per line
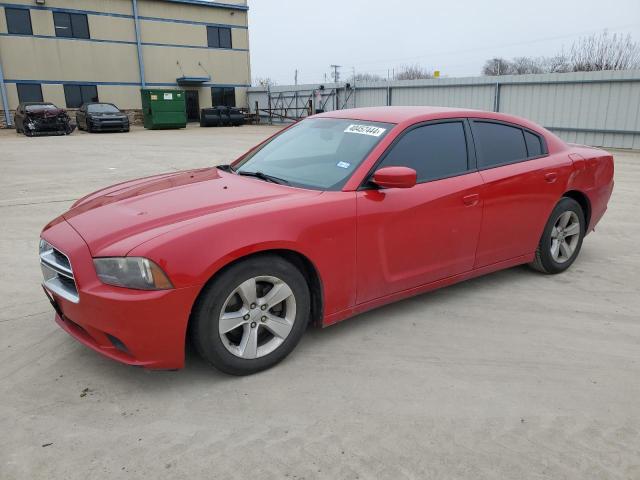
562 238
251 316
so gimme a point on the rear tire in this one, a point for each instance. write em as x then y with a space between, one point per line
251 316
561 239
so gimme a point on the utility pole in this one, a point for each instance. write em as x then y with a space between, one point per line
295 77
336 72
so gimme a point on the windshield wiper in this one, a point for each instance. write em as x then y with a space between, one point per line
263 176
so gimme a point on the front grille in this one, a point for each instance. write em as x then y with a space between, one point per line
57 272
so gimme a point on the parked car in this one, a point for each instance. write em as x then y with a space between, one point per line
42 118
335 215
101 117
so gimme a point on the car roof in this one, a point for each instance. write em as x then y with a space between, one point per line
394 114
409 115
100 103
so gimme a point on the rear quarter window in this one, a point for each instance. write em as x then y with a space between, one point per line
534 144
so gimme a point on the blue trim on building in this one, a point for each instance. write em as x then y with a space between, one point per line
53 37
119 15
124 42
207 3
118 84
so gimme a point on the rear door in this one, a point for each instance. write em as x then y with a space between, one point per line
414 236
522 184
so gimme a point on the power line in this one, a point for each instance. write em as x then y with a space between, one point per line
396 61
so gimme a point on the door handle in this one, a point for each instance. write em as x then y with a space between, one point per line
550 177
471 200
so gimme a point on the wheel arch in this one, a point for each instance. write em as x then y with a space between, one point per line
299 260
584 203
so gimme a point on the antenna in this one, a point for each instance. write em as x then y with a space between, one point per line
336 72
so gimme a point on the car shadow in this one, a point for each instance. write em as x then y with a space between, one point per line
197 370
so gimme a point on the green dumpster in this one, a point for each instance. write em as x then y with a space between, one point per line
164 108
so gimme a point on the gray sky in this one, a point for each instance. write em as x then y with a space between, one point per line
454 36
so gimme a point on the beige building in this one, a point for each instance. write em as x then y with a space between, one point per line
72 51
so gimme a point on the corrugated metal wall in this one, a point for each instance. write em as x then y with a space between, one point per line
593 108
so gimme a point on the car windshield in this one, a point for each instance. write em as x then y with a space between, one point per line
102 108
318 153
40 106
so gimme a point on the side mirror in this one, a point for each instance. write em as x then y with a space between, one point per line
395 177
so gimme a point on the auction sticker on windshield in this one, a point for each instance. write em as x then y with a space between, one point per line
365 130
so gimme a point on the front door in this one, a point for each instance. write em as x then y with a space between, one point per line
193 106
411 237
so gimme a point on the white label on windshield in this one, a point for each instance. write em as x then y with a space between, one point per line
365 130
343 164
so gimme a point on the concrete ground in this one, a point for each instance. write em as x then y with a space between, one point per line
514 375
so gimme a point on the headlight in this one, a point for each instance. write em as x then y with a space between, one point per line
131 272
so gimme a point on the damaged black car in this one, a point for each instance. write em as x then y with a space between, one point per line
41 118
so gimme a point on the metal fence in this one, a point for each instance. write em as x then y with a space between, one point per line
592 108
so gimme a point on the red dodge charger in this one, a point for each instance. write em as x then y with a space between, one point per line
337 214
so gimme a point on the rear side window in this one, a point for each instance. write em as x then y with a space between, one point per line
498 144
434 151
534 144
18 21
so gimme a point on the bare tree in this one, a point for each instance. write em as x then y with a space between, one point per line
557 64
264 82
525 65
597 52
604 52
366 77
413 72
497 66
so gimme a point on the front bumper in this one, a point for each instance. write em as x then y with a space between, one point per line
109 126
136 327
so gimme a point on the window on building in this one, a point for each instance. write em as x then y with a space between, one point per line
71 25
18 21
498 144
223 96
29 92
76 95
433 151
219 37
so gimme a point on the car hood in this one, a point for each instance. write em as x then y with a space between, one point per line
115 220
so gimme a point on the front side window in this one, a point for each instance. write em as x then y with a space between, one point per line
76 95
223 96
318 153
18 21
219 37
434 151
498 144
29 92
71 25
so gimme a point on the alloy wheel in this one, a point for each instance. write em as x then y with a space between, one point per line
257 317
565 236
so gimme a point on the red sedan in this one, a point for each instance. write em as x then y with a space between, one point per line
337 214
